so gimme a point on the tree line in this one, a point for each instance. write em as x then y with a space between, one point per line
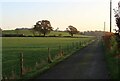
44 27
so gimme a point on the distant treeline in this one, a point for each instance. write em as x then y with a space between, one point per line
93 33
13 35
54 34
22 35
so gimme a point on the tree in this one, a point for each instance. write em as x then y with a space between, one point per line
118 23
72 30
43 27
37 28
117 17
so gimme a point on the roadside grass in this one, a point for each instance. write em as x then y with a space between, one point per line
113 66
113 62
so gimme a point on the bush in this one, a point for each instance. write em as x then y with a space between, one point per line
112 52
13 35
60 35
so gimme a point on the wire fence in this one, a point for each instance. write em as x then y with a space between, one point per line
25 63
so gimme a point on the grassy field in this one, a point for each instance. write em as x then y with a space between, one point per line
35 51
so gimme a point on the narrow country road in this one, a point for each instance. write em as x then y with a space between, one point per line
88 63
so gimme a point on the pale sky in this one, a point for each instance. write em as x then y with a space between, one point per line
82 14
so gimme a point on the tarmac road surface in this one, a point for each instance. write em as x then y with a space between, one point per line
88 63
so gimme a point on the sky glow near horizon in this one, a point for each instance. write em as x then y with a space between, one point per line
82 14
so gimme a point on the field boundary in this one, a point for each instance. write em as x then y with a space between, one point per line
62 52
57 61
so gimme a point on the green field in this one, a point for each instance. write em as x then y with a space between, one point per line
35 51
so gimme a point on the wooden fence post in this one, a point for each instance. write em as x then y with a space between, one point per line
49 56
81 43
61 52
21 64
77 45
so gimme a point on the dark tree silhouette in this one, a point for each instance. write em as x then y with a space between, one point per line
117 17
118 23
43 27
72 30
